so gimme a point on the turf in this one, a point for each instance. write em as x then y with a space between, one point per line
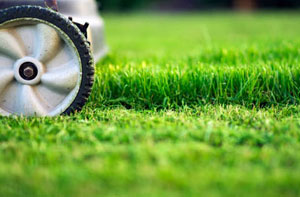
183 105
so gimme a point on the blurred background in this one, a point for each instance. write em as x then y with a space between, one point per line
182 5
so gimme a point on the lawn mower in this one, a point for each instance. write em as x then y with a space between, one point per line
47 54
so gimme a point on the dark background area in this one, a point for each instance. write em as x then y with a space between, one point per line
127 5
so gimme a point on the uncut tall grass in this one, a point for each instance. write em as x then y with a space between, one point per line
251 60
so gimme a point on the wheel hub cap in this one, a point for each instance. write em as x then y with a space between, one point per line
28 71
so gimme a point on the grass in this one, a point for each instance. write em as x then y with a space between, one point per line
191 60
184 105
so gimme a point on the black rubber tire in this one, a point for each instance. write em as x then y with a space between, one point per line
73 32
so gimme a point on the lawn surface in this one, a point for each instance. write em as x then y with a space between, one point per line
184 105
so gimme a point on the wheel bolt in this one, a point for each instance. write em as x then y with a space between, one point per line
28 72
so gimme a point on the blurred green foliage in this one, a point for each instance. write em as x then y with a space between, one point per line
171 4
123 5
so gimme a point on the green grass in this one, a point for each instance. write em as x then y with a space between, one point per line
184 105
172 61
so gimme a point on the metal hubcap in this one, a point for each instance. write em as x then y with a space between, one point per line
28 71
40 69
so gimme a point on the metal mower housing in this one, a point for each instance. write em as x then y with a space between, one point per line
81 11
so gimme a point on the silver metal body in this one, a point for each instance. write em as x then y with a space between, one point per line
81 11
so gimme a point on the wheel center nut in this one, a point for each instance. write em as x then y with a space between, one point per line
28 72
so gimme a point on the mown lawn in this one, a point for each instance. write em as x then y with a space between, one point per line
184 105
